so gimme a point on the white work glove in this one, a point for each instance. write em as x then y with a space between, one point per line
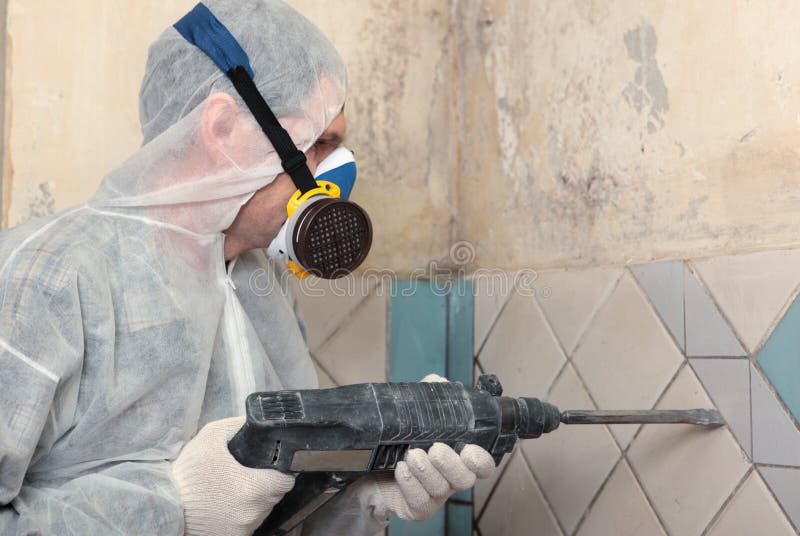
424 481
219 495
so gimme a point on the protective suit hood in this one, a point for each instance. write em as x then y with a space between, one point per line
186 176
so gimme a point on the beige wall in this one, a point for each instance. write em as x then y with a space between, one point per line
600 132
546 133
74 72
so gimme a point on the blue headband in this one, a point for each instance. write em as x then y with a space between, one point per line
202 29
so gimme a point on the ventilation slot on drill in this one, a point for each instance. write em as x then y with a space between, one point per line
281 407
276 453
386 457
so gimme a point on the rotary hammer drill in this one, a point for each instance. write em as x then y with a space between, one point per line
330 437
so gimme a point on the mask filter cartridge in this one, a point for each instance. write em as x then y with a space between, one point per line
325 235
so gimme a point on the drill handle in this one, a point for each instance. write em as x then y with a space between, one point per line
311 492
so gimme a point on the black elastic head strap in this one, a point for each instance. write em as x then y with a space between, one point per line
292 159
201 28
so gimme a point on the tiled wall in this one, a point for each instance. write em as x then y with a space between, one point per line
346 325
721 332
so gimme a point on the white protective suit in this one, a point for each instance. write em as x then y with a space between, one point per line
122 329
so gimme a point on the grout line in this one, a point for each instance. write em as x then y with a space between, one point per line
778 466
793 295
585 387
549 390
658 401
324 369
684 268
596 495
348 317
646 495
601 304
681 348
775 497
750 405
493 323
550 330
710 296
727 501
774 392
546 499
477 362
494 487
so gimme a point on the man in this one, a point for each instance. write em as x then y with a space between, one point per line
128 324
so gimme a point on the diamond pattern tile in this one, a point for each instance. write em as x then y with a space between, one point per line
571 463
727 382
324 379
357 353
776 439
780 358
785 484
752 511
707 332
483 487
687 472
752 289
517 506
326 304
522 350
626 358
663 284
491 291
572 298
621 509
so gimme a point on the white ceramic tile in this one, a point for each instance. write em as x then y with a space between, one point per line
627 358
752 289
570 298
752 511
727 382
517 506
522 350
326 304
571 463
621 509
483 487
776 439
707 332
785 484
687 471
357 352
491 290
663 284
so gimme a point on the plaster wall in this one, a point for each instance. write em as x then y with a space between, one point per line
546 134
74 70
600 132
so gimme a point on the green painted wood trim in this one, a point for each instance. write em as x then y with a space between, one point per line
430 331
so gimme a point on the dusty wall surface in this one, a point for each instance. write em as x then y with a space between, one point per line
74 75
545 133
602 132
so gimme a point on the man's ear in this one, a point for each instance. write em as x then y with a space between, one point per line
217 124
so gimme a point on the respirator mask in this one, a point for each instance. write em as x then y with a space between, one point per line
326 234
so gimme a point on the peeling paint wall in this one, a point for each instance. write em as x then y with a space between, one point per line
73 101
604 132
544 133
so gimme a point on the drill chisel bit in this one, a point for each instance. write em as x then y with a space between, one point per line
701 417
